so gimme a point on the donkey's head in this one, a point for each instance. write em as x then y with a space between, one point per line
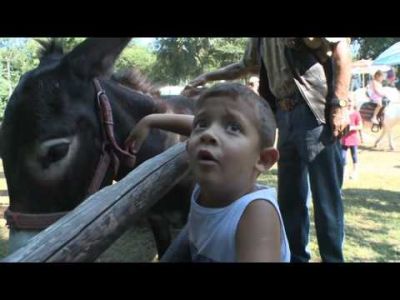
51 135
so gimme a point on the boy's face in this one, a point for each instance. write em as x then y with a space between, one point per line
224 146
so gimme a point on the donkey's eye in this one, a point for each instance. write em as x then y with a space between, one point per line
53 151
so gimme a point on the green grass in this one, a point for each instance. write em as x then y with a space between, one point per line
372 224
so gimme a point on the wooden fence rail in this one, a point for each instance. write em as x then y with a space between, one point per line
88 230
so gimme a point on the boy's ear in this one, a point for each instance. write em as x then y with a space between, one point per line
268 157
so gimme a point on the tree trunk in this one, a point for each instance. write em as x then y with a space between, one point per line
10 89
88 230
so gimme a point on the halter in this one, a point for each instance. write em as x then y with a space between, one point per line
110 157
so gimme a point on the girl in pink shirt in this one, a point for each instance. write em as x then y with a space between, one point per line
351 139
376 93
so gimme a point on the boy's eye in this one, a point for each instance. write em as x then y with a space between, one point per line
234 127
198 124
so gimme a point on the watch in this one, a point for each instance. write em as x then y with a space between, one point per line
338 102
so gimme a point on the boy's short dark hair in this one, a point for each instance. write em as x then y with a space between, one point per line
266 123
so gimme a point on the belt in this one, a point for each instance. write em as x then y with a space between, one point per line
287 104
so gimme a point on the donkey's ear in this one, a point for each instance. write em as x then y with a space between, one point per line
50 50
95 56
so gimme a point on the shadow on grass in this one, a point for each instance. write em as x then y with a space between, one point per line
375 149
384 250
371 148
380 211
378 200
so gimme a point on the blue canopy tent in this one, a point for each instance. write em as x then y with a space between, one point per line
390 56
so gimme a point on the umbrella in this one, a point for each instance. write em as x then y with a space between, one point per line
390 56
365 66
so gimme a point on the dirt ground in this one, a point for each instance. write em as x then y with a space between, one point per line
135 245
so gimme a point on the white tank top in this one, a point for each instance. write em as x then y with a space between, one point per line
212 231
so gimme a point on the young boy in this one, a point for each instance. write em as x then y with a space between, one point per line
231 219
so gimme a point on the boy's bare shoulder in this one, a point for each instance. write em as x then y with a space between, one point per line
261 212
258 234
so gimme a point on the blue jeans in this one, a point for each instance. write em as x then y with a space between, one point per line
307 149
353 150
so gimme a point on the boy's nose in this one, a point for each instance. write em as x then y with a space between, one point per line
208 137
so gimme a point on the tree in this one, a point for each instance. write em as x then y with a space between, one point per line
179 58
17 56
370 48
225 51
136 56
182 59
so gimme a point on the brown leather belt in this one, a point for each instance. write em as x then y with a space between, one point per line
288 104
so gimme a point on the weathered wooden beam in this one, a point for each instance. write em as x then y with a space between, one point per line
88 230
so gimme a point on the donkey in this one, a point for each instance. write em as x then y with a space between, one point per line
56 136
391 116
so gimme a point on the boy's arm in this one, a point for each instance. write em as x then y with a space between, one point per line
177 123
258 234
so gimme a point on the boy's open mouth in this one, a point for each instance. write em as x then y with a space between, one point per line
205 156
